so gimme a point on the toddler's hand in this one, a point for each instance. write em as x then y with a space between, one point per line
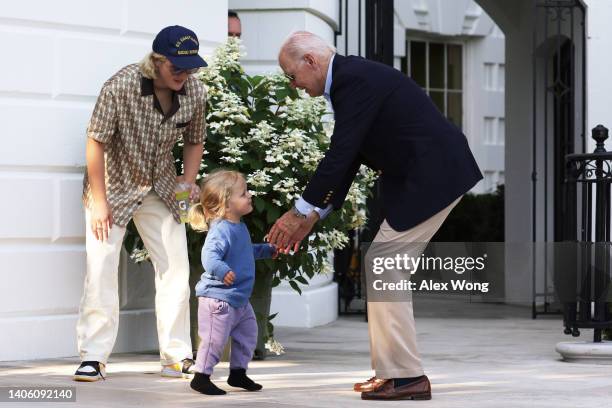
276 251
287 250
229 278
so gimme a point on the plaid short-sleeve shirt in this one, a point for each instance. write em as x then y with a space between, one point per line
138 139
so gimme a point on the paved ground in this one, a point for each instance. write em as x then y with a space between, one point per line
475 355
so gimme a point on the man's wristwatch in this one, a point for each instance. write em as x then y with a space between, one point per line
298 214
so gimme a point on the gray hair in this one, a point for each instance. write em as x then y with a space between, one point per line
300 43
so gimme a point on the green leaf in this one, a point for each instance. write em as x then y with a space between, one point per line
259 203
281 94
301 280
129 243
259 116
272 214
262 105
295 287
255 80
258 223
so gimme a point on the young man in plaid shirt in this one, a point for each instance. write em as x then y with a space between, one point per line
140 113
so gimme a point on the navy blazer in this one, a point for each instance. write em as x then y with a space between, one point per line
387 122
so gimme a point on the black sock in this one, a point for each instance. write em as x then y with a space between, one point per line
238 378
201 383
398 382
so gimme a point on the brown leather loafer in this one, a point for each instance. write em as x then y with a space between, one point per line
371 384
418 390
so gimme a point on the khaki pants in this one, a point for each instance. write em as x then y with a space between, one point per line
393 345
166 242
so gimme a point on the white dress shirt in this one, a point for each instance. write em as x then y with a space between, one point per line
302 205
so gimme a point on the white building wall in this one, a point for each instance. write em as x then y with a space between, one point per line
267 23
484 107
61 52
464 22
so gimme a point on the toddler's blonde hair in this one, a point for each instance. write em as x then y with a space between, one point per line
215 192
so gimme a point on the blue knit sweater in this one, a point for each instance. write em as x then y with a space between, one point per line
228 247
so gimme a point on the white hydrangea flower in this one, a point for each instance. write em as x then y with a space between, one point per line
288 188
274 346
304 108
259 178
213 81
228 57
255 193
276 170
231 109
277 155
234 149
326 268
278 78
140 255
332 239
262 133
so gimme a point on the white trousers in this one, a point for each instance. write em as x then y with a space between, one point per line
392 331
166 242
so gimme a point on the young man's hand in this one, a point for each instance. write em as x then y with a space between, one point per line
101 220
229 278
194 189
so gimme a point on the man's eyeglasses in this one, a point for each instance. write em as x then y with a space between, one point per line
178 71
289 77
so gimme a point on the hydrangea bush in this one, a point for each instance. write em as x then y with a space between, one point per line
275 135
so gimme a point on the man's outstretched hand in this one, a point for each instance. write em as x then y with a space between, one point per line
289 230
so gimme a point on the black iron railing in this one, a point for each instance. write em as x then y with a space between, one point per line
588 181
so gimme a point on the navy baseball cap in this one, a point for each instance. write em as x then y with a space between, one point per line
180 45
